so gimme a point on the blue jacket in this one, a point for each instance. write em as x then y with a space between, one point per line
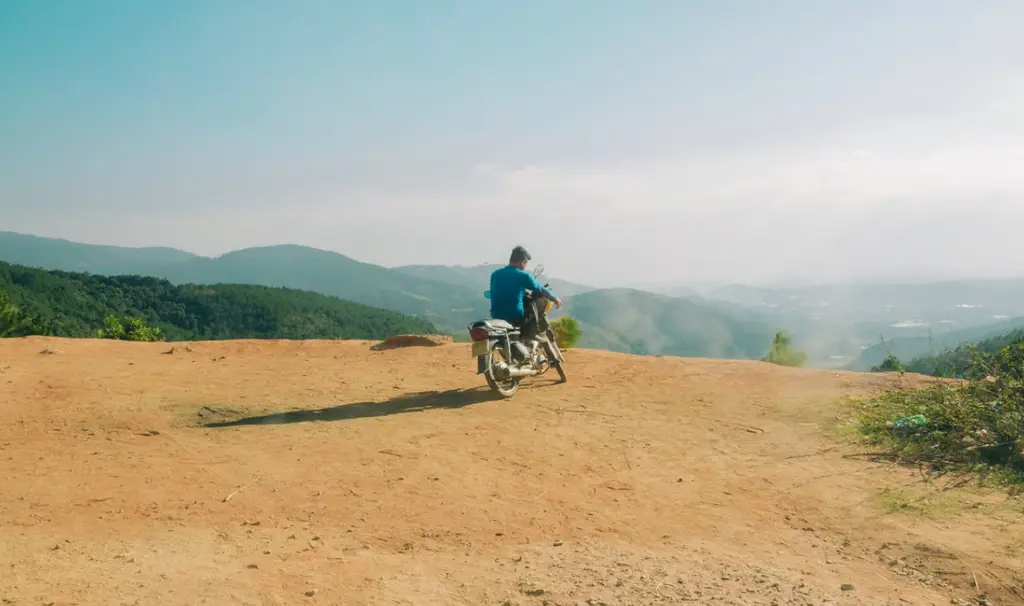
508 285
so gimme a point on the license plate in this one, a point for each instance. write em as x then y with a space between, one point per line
480 348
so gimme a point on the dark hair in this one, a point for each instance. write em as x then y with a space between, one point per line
519 255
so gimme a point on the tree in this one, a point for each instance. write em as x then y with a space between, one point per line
783 353
13 322
890 364
567 332
9 315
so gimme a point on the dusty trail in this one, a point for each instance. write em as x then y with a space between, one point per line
391 477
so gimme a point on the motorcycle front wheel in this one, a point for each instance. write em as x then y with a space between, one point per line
556 360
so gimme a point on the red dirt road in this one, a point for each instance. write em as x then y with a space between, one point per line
257 472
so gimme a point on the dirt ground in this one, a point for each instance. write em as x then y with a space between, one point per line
269 472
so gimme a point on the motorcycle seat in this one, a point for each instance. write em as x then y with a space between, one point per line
495 325
500 324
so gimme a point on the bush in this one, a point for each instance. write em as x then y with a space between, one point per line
782 352
132 329
973 424
890 364
567 332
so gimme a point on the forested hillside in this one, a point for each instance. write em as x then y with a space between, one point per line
643 323
911 348
955 362
66 304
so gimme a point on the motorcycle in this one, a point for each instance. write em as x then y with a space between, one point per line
493 342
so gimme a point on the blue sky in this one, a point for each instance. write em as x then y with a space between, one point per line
658 141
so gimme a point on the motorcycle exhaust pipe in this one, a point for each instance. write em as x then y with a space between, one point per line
518 373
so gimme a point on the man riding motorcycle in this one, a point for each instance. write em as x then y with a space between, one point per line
508 287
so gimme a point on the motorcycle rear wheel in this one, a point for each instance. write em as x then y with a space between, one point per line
505 389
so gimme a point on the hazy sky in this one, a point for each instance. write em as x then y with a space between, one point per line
619 141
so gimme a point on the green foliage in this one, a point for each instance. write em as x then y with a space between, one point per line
977 423
567 332
112 329
10 316
925 348
136 330
953 363
890 364
15 323
132 329
140 308
783 353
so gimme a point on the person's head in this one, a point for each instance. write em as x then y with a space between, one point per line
519 257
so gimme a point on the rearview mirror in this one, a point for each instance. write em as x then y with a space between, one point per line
538 271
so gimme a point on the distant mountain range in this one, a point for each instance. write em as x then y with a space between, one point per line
478 277
842 325
958 303
64 255
837 325
448 297
447 306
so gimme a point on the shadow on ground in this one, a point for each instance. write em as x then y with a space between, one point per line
416 402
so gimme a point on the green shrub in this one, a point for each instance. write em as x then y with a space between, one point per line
973 424
567 332
132 329
783 353
890 364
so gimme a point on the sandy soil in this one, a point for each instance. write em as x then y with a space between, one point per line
255 472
